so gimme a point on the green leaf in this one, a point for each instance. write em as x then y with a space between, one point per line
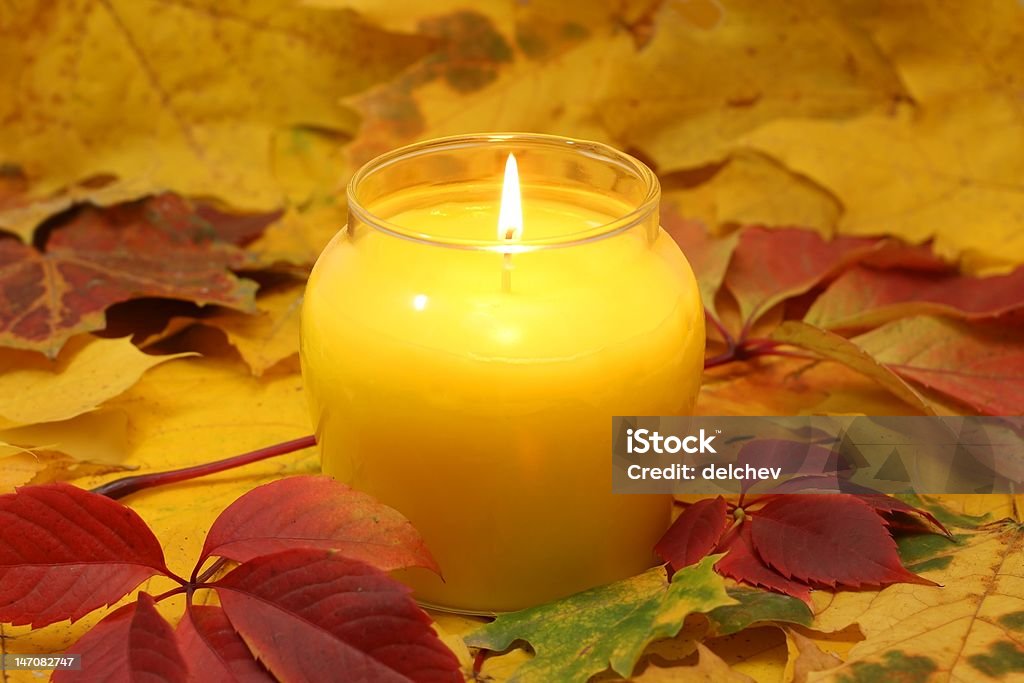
755 606
582 635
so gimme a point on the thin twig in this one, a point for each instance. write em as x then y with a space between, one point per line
119 488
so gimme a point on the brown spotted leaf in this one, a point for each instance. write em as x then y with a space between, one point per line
158 247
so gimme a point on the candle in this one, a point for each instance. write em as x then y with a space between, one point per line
463 357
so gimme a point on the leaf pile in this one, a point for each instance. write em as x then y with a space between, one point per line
845 180
308 597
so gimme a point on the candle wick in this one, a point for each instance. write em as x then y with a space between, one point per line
506 264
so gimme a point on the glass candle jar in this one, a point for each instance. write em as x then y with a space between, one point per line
468 378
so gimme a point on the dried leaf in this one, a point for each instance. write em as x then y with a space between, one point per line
132 644
88 372
65 552
269 337
583 634
827 540
316 512
70 70
709 668
307 613
805 658
708 257
834 347
742 563
755 607
215 650
694 533
867 297
980 365
159 247
970 629
770 266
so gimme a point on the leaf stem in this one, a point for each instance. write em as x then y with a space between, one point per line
119 488
205 576
171 593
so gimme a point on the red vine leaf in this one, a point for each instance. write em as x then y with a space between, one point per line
743 564
132 644
694 534
306 613
215 649
867 297
979 364
157 247
887 505
770 266
709 257
316 512
827 540
65 552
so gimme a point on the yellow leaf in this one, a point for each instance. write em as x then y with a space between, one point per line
951 173
100 436
752 189
185 96
87 372
805 657
970 628
299 236
270 336
709 668
669 84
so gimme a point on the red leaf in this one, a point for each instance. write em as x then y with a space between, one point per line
156 247
310 615
742 564
883 504
770 266
864 297
709 257
979 364
316 512
132 644
215 651
694 534
64 552
829 540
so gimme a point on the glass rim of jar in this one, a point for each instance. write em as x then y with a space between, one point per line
595 150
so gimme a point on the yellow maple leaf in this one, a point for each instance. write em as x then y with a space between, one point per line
87 372
184 96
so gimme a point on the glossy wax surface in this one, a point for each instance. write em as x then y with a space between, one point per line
484 414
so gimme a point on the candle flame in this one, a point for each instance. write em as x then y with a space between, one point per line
510 217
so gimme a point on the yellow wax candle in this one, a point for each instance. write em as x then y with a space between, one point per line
473 388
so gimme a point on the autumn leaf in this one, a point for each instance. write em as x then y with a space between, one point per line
215 648
980 365
827 540
270 336
756 607
158 247
87 372
305 611
304 512
770 266
694 534
133 643
69 551
863 297
584 634
969 630
86 86
65 552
